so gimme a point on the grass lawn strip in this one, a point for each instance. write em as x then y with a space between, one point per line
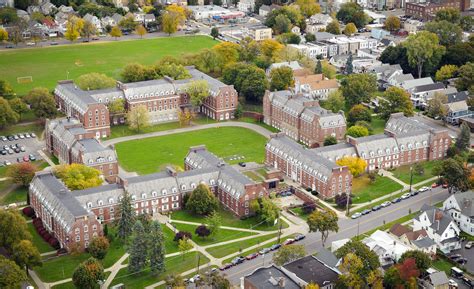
14 129
124 130
41 244
149 155
60 268
364 191
224 250
403 173
377 124
70 285
174 264
222 236
299 212
17 195
47 65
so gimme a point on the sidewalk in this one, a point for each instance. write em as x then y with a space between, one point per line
46 158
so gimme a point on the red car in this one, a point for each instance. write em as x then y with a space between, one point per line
289 242
251 256
26 159
225 266
435 185
445 186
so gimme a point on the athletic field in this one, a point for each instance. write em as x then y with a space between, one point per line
47 65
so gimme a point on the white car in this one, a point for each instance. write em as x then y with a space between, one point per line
405 196
194 278
356 215
423 189
386 204
453 284
30 43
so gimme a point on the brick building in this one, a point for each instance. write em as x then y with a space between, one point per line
427 11
301 118
77 216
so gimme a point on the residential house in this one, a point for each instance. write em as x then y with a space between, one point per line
457 107
420 95
310 269
149 18
264 10
270 277
315 85
258 32
294 65
378 33
6 3
66 9
385 73
460 207
246 6
412 26
388 248
434 280
408 85
108 21
117 18
317 22
426 11
296 30
440 226
311 50
418 240
94 20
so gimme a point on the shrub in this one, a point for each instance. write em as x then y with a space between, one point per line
202 231
308 207
341 200
181 235
28 211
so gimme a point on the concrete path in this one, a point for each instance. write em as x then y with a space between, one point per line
222 227
389 175
37 280
46 158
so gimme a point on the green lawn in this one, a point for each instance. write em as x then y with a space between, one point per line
60 268
124 130
364 191
18 128
254 176
174 264
70 285
403 173
149 155
377 124
443 265
170 245
222 236
224 250
41 244
228 220
47 65
15 196
260 123
299 212
116 249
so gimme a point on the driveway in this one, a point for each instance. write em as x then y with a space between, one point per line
469 255
31 145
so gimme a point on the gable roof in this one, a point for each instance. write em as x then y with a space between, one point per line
424 242
428 87
458 96
438 219
465 202
269 277
399 230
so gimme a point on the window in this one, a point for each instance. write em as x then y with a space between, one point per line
77 231
86 228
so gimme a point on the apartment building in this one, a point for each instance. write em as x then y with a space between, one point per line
315 85
259 32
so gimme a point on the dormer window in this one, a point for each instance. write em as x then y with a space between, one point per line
143 196
100 202
89 205
153 194
164 192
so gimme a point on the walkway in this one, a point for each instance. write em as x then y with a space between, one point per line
46 158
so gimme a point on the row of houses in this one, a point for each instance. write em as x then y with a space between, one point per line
164 98
75 217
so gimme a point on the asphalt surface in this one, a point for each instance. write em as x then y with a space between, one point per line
348 228
32 145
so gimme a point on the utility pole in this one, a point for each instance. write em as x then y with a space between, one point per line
411 177
279 229
199 260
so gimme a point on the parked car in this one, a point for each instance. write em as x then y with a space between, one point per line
3 152
26 159
365 212
467 281
435 185
469 245
54 43
376 208
17 150
242 164
21 136
32 157
405 196
15 137
225 266
22 149
454 257
444 186
385 204
264 251
275 247
195 278
27 135
299 237
33 134
414 193
7 163
423 189
238 260
396 200
356 215
461 261
452 284
4 138
251 256
30 43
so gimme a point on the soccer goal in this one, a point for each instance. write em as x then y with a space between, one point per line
24 79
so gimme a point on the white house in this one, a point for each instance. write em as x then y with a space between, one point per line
294 65
317 22
94 20
440 226
246 5
460 207
388 248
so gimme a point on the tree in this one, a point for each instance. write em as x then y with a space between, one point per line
350 29
356 165
448 14
227 52
238 111
359 113
446 72
88 273
22 173
422 260
308 7
293 13
349 69
265 209
281 78
174 280
271 49
395 99
289 38
334 102
466 23
78 176
214 222
392 23
397 55
463 141
465 80
98 247
408 272
94 80
26 255
185 117
357 88
8 15
3 35
127 216
14 229
12 276
170 22
184 246
18 106
333 27
140 30
357 131
418 169
138 249
133 72
156 243
312 285
198 91
115 32
369 259
116 106
308 207
202 231
423 47
202 201
319 67
447 32
288 254
352 12
7 114
138 117
218 281
249 80
41 102
309 37
437 105
214 33
323 222
459 54
88 29
350 268
392 278
6 89
330 140
73 28
182 235
455 174
342 201
127 23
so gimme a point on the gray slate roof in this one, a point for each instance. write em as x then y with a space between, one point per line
93 152
439 278
426 242
458 96
428 87
465 202
267 278
337 151
310 269
434 215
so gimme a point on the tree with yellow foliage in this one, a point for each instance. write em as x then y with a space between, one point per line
179 10
140 30
73 28
185 117
170 22
312 286
78 176
3 35
227 52
116 32
356 165
350 29
308 7
271 48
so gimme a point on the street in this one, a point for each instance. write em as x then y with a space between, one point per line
348 228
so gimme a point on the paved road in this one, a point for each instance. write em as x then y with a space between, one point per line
348 229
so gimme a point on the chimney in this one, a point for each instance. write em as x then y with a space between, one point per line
281 282
171 171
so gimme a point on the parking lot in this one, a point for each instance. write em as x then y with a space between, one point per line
18 148
469 255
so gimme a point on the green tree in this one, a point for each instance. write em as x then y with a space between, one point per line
289 38
214 33
12 276
94 80
127 23
26 255
265 209
282 24
319 67
392 23
369 259
334 102
333 27
115 32
6 89
323 222
214 223
249 80
174 280
437 105
359 113
392 278
117 106
448 14
463 141
448 33
358 88
184 245
202 201
133 72
330 140
78 176
22 173
170 22
41 102
350 29
465 80
466 23
352 12
281 78
349 69
138 249
73 28
7 114
329 71
357 131
198 91
156 243
98 247
138 118
308 7
88 273
127 216
87 30
18 106
455 174
423 261
288 254
394 100
14 229
350 268
446 72
459 54
309 37
423 47
293 13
